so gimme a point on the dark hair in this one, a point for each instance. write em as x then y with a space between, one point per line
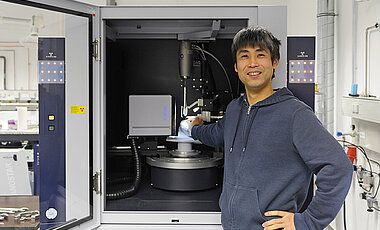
256 36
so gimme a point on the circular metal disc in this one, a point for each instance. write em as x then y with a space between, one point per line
177 153
184 163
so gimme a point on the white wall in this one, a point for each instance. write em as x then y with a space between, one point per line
368 15
14 38
351 25
21 52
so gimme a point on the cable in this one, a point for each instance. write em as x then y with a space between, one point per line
378 176
113 181
203 53
225 73
360 184
370 166
378 164
132 189
344 215
378 185
221 65
361 150
212 78
368 160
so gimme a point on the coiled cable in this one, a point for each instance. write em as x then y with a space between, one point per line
131 189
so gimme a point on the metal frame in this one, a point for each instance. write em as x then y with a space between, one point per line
87 11
158 218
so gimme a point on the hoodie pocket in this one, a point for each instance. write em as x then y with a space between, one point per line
246 210
223 204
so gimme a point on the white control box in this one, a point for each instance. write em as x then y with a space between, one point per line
150 115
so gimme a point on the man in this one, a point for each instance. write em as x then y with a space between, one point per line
273 145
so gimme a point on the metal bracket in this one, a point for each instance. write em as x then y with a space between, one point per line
96 49
97 182
111 3
111 34
203 35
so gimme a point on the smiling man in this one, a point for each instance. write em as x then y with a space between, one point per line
274 144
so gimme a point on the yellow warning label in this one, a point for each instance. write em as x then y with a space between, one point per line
77 109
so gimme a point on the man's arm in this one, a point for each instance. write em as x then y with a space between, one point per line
211 135
326 158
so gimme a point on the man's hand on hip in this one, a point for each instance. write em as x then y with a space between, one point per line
286 221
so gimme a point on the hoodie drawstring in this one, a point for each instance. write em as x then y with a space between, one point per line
249 128
279 95
236 128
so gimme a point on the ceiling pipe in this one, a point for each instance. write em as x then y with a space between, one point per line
15 21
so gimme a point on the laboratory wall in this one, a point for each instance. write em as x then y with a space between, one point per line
20 47
351 23
18 62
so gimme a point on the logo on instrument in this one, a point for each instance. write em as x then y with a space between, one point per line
51 55
303 54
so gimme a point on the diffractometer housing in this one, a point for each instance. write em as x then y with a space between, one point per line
160 72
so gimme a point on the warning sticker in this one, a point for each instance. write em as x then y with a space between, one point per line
77 109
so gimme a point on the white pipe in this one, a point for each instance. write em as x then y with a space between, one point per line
184 107
354 42
16 21
5 69
367 67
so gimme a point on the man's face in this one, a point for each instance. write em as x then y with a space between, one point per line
255 68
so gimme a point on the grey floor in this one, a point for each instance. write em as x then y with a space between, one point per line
152 199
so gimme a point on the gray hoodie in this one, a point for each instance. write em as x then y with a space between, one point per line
272 150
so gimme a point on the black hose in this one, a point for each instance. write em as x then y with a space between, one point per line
120 180
212 79
344 216
221 65
131 189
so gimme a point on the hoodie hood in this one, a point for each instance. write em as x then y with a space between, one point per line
279 95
